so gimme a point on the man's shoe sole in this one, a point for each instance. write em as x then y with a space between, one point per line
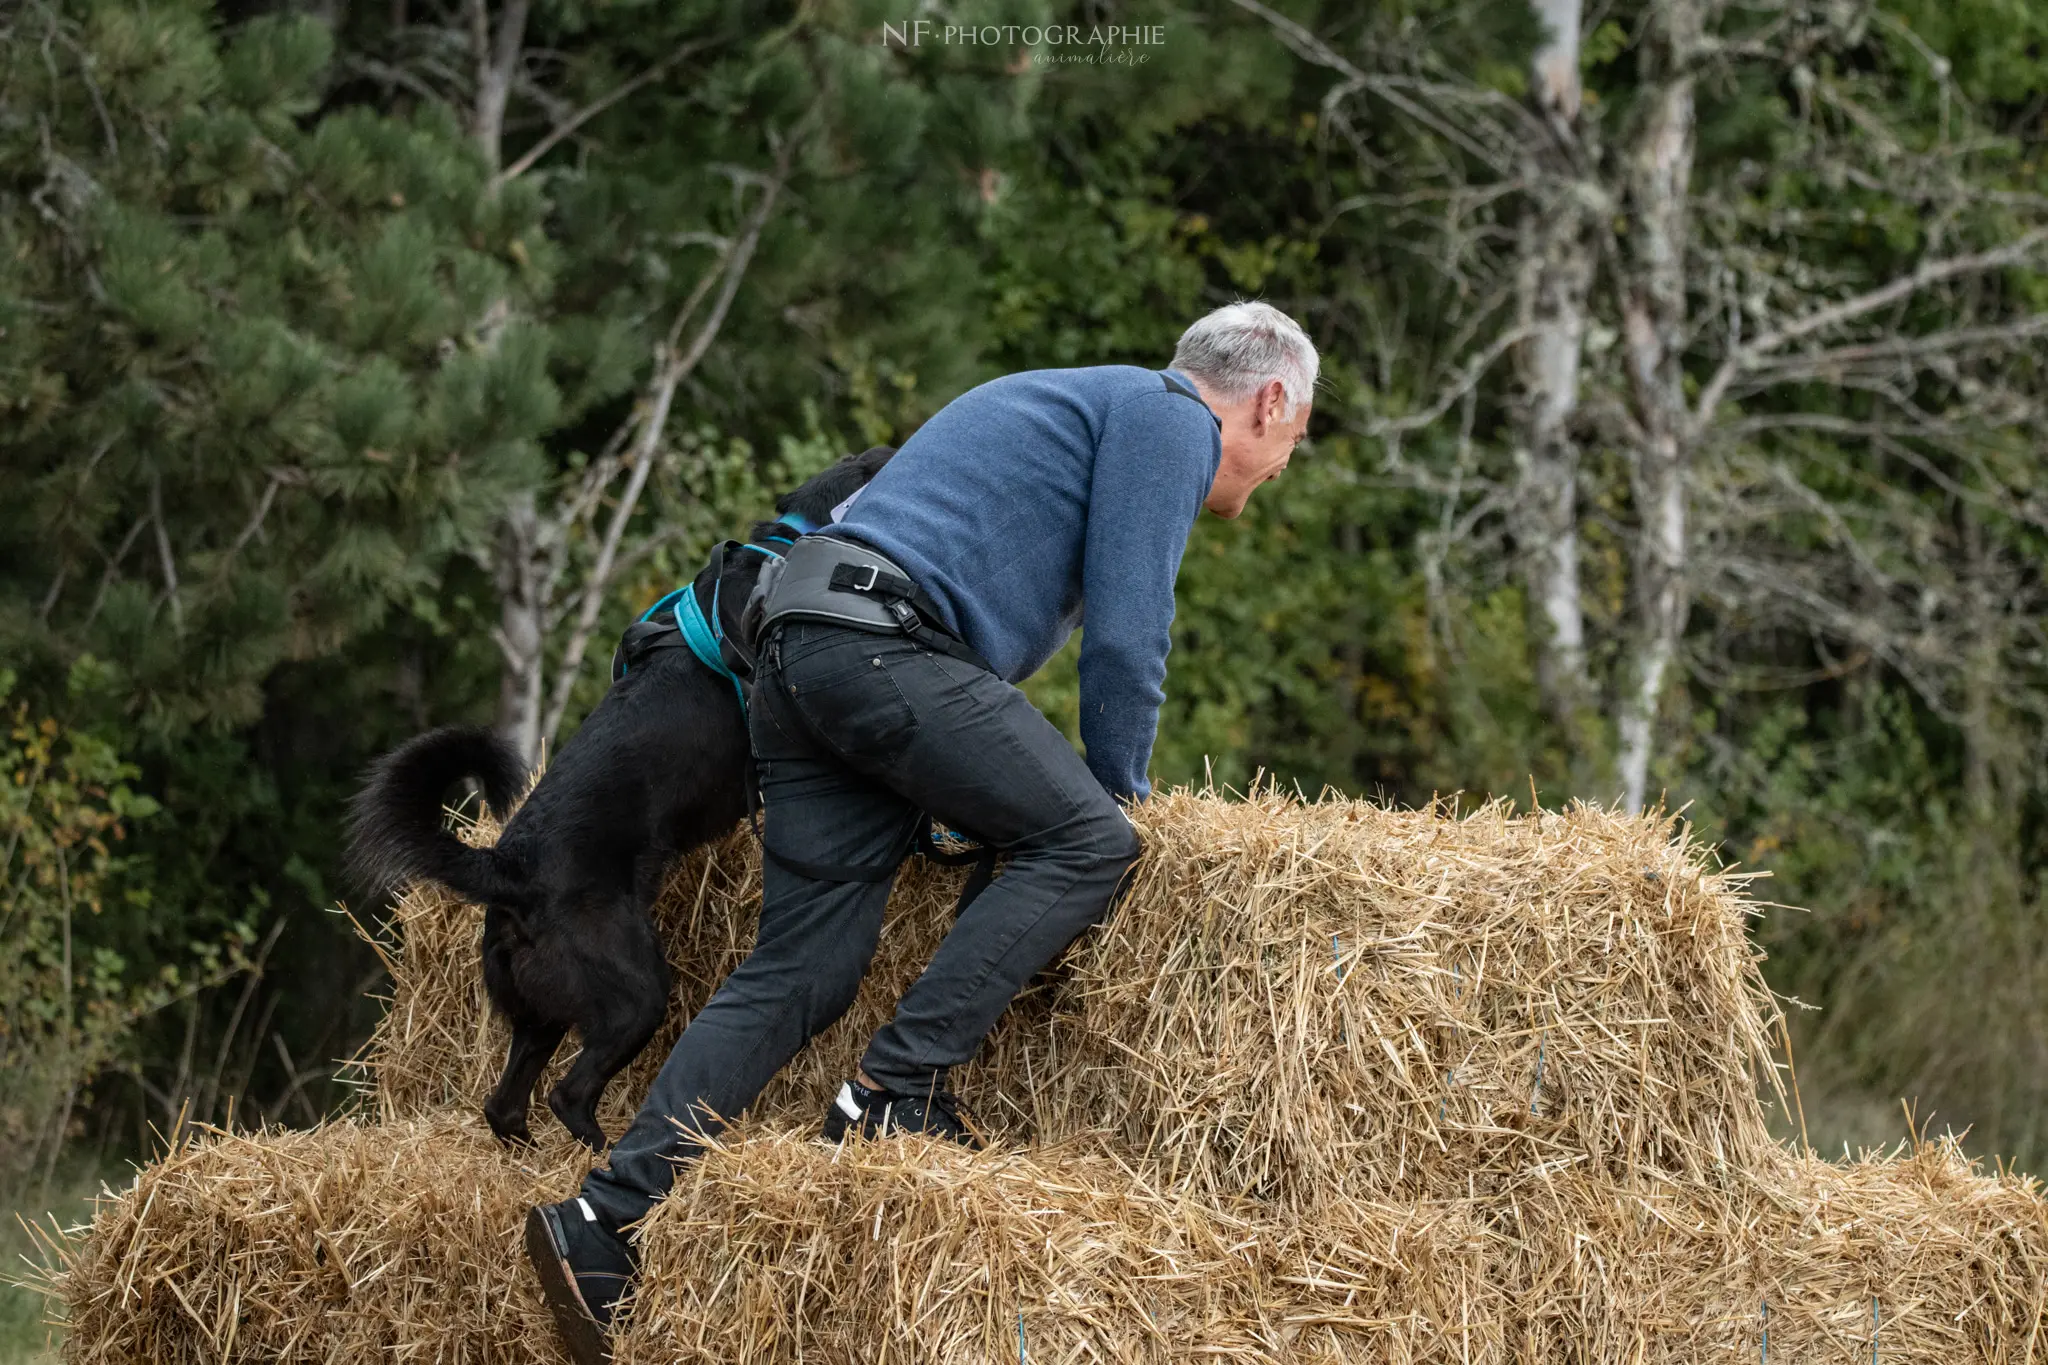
573 1319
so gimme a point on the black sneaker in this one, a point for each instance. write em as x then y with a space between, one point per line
883 1113
584 1269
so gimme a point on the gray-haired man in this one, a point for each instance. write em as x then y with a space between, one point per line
885 691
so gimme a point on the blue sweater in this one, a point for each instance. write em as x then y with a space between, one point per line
1037 496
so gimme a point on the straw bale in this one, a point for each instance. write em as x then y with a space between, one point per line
782 1249
1297 1001
353 1242
1954 1263
400 1241
1317 1001
438 1045
1941 1262
777 1249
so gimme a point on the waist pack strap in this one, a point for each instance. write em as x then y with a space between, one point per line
914 613
842 872
827 579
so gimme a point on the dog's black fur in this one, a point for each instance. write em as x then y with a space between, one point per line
658 768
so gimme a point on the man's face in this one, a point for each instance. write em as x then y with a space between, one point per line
1259 436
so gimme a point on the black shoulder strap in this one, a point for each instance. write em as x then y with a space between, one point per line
1175 386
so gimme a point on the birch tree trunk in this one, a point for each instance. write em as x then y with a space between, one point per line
542 582
1556 68
522 567
497 54
1556 278
533 554
1653 305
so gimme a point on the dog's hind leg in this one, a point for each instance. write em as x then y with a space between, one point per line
532 1045
606 1051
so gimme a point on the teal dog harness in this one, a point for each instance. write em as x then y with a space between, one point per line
701 631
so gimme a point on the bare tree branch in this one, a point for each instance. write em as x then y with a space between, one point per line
278 479
163 550
1422 101
1887 352
1929 273
672 367
567 127
114 564
496 57
1468 379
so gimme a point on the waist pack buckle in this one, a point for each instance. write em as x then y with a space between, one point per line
906 615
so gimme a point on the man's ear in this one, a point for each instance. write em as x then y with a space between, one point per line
1267 407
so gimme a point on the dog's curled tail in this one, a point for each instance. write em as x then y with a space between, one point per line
396 833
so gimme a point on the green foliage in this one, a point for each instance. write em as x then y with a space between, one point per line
278 350
266 350
26 1335
67 1007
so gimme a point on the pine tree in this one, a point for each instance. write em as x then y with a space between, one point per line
255 395
255 405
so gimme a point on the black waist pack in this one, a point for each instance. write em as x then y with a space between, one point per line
842 582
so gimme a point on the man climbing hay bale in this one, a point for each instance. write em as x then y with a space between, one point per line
890 643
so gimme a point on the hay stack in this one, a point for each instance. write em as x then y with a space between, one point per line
1310 1003
1334 1084
354 1242
1295 1001
1940 1262
779 1248
439 1047
402 1242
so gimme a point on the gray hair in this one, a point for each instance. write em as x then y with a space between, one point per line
1241 347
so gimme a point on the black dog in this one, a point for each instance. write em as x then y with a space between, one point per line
659 767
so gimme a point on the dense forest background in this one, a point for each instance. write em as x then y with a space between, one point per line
365 363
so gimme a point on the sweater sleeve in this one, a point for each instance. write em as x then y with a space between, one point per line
1153 467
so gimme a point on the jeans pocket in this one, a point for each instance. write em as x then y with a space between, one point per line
854 705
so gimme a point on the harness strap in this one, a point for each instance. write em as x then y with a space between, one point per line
703 637
704 633
982 859
908 604
977 881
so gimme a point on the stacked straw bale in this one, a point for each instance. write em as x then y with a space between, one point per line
1807 1258
354 1242
780 1249
1294 1001
1334 1083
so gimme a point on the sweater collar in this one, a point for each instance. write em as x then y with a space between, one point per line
1180 376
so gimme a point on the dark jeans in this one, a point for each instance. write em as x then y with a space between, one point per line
857 734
